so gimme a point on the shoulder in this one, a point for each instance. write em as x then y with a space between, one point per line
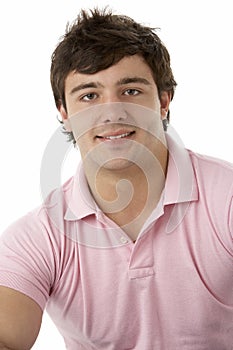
206 160
214 179
31 249
212 171
37 228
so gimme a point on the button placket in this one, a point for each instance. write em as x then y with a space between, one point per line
141 263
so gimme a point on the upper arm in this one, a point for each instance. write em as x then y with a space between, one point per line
20 319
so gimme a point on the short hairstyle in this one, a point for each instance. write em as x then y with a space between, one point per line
98 39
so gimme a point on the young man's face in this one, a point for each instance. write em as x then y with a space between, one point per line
114 110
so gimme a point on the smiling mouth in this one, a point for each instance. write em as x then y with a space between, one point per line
116 137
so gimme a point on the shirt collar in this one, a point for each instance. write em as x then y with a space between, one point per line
81 202
180 185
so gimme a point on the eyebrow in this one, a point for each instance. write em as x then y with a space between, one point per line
123 81
84 86
129 80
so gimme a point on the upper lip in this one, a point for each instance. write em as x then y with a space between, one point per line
115 133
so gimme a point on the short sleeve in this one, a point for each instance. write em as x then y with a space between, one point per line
27 258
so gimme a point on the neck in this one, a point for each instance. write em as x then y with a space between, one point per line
128 195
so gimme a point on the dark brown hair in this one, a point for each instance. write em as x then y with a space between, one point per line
98 39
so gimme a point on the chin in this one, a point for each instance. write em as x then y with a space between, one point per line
117 164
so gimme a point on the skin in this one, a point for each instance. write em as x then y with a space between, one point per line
109 161
20 320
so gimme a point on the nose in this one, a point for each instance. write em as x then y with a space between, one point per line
114 112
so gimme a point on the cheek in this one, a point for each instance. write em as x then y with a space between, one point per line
71 106
157 106
155 102
85 143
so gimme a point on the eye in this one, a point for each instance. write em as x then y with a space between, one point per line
131 92
88 97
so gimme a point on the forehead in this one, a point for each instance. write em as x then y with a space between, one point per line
126 67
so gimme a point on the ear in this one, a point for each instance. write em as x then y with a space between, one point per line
165 99
65 118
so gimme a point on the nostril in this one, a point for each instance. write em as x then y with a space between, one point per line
122 118
114 118
113 112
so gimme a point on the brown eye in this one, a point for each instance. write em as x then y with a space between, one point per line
131 92
89 97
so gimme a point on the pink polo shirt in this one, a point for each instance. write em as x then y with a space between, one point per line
171 290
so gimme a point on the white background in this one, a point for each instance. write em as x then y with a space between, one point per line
198 35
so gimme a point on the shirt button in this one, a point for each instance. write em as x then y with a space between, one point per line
124 240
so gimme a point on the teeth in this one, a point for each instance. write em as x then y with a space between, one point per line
117 136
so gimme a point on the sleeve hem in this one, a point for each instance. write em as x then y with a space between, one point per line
16 282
